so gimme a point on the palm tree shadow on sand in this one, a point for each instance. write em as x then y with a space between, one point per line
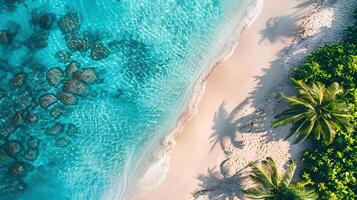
216 186
225 126
282 27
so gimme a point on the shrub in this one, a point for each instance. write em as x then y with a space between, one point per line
332 169
332 63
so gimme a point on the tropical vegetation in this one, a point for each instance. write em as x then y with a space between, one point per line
270 184
331 167
316 110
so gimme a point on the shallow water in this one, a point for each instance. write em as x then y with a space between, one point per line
158 50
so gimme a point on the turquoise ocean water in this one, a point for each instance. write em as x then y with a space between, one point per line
147 56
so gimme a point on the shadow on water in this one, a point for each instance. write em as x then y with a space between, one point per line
140 60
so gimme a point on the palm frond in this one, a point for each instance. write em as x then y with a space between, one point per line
316 110
261 176
288 174
284 189
257 193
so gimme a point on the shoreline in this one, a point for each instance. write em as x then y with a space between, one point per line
168 142
190 174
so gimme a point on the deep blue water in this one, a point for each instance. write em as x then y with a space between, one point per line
143 58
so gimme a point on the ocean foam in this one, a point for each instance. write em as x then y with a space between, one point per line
156 170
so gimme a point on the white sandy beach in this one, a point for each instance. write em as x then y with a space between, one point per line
232 125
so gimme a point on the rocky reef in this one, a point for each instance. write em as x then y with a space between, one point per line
82 42
35 98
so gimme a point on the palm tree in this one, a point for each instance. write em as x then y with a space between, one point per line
315 110
270 185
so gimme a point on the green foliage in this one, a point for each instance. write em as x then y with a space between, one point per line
271 185
316 110
332 63
333 169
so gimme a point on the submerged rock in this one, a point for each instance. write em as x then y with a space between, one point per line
119 93
55 76
31 154
99 52
77 43
71 130
71 68
31 118
37 41
18 80
67 98
47 100
88 75
62 142
5 37
17 119
12 148
56 129
76 87
57 111
63 56
70 22
20 169
47 20
33 142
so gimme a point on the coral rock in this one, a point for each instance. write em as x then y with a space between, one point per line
31 154
55 129
57 111
88 75
71 68
54 76
13 148
47 100
5 37
37 41
99 52
76 87
62 142
47 20
67 98
77 43
70 22
20 169
71 130
18 80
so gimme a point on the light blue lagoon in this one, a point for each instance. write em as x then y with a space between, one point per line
88 87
